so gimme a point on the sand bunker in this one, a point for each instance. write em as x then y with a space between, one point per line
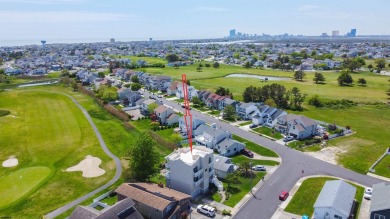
89 166
11 162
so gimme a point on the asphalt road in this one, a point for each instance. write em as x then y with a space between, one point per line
118 165
265 201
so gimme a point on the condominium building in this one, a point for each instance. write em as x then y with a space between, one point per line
191 173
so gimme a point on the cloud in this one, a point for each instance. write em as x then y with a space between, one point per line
308 7
209 9
59 17
44 2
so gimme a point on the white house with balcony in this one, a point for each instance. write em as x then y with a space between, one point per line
192 92
191 173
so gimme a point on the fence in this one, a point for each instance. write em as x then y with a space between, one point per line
387 152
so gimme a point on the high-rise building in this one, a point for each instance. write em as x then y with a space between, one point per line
352 33
335 33
232 33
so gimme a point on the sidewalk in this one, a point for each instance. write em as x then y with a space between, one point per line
378 177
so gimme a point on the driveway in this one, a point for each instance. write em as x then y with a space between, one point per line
196 215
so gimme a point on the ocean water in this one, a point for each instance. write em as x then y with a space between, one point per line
24 42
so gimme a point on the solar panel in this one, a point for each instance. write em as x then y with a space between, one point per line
128 211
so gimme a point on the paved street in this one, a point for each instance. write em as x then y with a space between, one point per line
266 201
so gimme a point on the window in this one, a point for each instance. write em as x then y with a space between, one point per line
378 216
235 149
209 159
337 217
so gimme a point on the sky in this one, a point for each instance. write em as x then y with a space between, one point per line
187 19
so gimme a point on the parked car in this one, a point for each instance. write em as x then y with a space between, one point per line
159 96
247 153
152 97
182 105
367 193
259 168
207 210
288 138
252 126
283 195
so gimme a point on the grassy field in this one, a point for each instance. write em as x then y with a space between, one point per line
241 159
46 130
150 60
367 119
269 132
20 183
258 149
304 199
383 167
245 123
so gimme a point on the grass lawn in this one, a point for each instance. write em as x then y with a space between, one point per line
238 191
18 184
245 123
383 167
110 200
150 60
306 196
214 112
241 158
269 132
255 147
47 130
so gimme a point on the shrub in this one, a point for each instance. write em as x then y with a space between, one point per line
332 127
226 212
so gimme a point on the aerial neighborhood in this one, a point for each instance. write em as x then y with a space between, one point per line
210 151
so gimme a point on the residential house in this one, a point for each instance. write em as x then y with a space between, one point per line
271 118
192 92
195 124
259 117
132 98
215 101
155 201
335 200
223 166
228 102
211 136
123 209
163 113
190 172
246 111
203 95
229 147
160 82
298 126
380 204
172 88
173 119
145 105
122 92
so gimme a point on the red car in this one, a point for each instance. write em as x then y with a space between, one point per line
247 153
283 195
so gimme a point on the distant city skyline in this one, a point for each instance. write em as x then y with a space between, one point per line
144 19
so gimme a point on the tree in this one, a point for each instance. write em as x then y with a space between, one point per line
207 65
196 101
107 93
188 82
299 75
223 91
318 77
199 68
246 166
229 113
380 64
297 98
370 67
135 86
315 101
345 78
152 107
101 75
134 79
172 58
216 65
247 65
143 158
64 73
352 64
362 81
232 179
249 94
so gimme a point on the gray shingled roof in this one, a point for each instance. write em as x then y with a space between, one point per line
380 197
337 194
222 163
84 212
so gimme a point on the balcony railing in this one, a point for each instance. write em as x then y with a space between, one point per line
197 183
200 171
212 172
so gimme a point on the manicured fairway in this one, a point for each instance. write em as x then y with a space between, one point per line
46 130
18 184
